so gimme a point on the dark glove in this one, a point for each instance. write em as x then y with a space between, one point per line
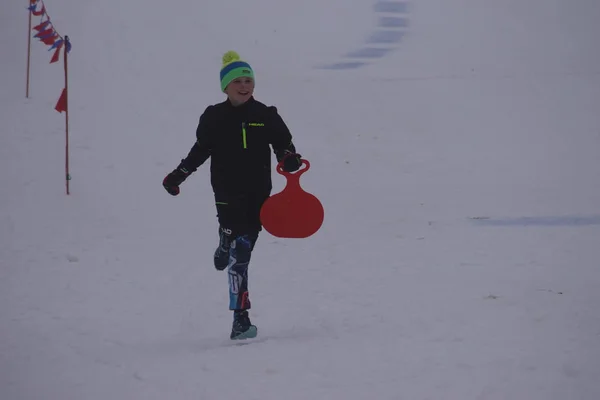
174 179
291 162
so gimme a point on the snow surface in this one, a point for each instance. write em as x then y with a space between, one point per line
460 253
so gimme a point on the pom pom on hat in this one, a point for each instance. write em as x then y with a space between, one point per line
230 57
233 68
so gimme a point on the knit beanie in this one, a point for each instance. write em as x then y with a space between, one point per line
233 68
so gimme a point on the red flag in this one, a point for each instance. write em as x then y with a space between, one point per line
45 32
56 55
50 39
61 105
41 12
42 26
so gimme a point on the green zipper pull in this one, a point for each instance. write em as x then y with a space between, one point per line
245 144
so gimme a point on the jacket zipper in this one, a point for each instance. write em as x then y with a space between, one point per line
244 143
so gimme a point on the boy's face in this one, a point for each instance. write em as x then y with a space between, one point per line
240 90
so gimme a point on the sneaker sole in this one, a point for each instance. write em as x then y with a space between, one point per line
249 334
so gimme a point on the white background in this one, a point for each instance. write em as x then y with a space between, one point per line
459 258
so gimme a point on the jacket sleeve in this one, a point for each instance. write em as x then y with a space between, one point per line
280 136
202 148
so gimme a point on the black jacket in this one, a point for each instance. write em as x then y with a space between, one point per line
238 140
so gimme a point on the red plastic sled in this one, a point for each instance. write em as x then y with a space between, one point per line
292 213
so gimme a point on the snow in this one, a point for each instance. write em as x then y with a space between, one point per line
459 174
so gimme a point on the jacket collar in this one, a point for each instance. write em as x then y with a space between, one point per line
242 106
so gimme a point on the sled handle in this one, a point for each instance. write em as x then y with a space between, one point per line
298 172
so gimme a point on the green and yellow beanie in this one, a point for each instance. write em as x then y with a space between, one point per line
233 68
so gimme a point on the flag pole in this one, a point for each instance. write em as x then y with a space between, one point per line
67 174
28 55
